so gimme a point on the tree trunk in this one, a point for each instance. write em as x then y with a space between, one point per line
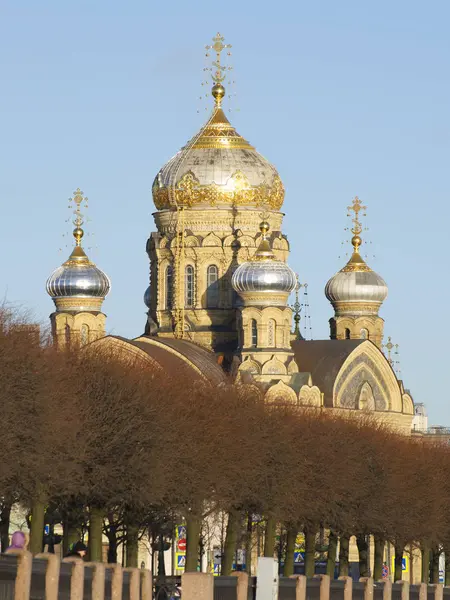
132 545
269 538
291 537
398 562
378 558
161 561
37 525
434 565
331 555
95 534
4 525
361 542
249 544
193 531
71 534
231 539
425 563
310 552
447 566
344 544
111 533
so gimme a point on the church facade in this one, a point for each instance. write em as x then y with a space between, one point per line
219 286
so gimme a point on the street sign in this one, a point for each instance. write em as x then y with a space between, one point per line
181 561
217 556
298 557
181 545
385 572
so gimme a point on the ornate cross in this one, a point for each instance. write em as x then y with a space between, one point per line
218 46
355 208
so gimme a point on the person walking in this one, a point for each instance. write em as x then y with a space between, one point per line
18 541
78 550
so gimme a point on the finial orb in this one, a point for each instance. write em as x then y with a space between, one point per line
218 92
264 227
356 241
78 233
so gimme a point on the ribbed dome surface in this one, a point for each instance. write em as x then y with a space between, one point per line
264 276
78 277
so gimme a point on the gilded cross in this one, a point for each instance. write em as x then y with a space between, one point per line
390 346
218 46
355 208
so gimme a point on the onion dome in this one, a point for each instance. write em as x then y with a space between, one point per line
147 297
264 281
78 284
356 290
218 167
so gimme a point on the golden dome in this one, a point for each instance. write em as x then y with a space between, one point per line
218 167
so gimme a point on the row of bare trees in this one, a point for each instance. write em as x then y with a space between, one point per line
100 441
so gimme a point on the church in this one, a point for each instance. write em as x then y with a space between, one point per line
219 286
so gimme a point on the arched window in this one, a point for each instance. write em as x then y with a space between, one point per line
364 334
212 287
189 286
347 334
67 334
168 288
254 330
84 335
271 333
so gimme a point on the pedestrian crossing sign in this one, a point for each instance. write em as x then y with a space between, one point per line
181 561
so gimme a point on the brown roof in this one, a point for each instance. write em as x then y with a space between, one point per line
323 359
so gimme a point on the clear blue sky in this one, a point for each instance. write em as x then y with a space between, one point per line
345 98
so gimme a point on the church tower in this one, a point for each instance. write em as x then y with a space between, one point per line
209 198
265 319
356 293
78 289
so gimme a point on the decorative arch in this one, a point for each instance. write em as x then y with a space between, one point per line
250 366
366 401
274 366
367 363
292 367
408 404
310 396
280 393
191 241
211 240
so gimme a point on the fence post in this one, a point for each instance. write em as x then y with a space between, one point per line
300 587
438 591
98 580
51 575
387 590
368 587
23 576
324 589
116 581
422 591
241 584
76 578
197 586
146 585
348 587
135 582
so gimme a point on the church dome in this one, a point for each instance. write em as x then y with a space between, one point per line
264 281
78 284
356 290
218 167
148 297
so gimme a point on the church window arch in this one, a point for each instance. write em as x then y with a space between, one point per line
254 332
168 287
347 334
84 334
67 334
212 287
271 333
364 334
189 282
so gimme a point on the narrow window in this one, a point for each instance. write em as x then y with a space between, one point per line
347 334
212 287
189 287
271 332
84 335
364 334
168 288
254 326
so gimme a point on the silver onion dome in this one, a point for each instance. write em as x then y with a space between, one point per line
78 279
147 297
264 280
356 289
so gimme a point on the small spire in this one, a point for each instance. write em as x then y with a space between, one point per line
297 309
264 251
356 207
217 69
391 349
